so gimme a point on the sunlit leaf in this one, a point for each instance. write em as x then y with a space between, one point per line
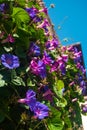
60 84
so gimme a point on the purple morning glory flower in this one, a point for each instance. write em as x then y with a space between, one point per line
62 68
83 87
30 99
10 61
2 6
34 49
40 110
47 59
52 44
38 68
32 12
84 108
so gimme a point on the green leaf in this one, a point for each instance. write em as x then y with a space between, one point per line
62 102
55 122
18 81
21 2
2 117
8 49
20 17
59 84
30 83
2 81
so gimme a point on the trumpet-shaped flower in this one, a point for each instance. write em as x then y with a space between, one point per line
40 110
34 49
38 68
32 12
47 59
10 61
44 10
10 39
52 44
30 99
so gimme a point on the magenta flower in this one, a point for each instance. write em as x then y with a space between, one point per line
45 23
44 10
54 66
29 100
64 57
40 110
10 61
47 59
59 65
52 44
8 39
38 68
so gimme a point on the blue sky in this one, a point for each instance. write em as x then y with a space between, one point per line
70 20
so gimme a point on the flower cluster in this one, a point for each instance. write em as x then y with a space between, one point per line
40 110
33 61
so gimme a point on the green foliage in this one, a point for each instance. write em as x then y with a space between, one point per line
20 17
55 122
2 82
58 88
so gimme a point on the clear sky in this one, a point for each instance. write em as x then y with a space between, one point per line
70 20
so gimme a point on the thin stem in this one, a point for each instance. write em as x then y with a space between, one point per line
18 125
37 125
45 123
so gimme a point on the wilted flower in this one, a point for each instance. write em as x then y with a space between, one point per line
40 110
9 38
30 99
10 61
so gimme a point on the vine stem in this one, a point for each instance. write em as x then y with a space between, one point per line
37 125
45 123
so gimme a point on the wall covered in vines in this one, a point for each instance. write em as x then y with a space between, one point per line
41 81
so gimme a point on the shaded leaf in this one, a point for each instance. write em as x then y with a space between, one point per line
2 117
18 81
2 81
